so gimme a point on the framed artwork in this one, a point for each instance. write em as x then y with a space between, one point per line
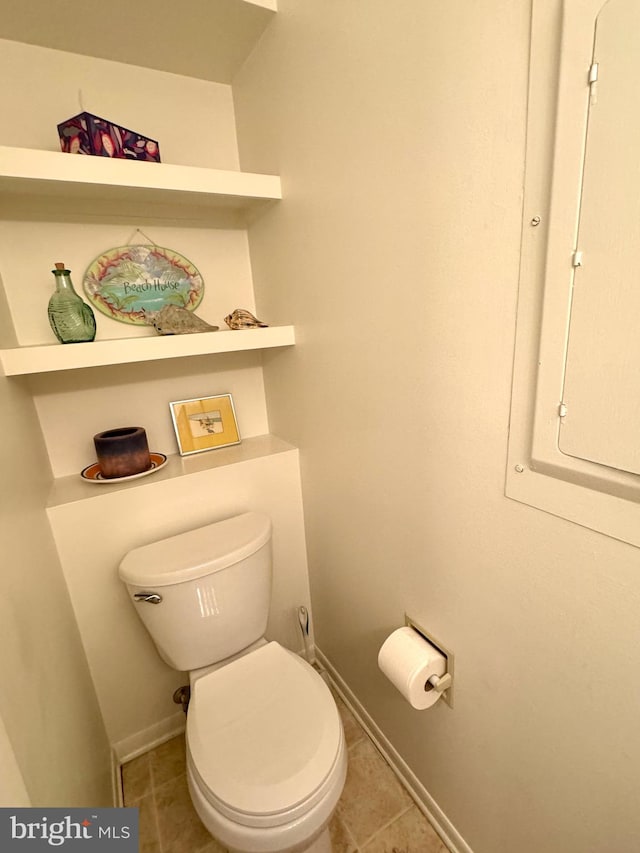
204 423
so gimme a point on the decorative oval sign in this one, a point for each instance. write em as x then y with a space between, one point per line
130 283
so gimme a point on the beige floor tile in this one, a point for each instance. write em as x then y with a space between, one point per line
375 814
168 761
341 840
353 731
410 833
372 795
179 826
136 779
214 847
147 824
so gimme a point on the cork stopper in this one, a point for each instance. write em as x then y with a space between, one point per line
60 266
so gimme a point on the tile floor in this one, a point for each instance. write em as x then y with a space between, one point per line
374 815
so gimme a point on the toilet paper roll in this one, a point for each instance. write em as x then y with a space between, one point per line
409 661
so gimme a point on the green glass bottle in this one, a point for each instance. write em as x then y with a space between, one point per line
71 319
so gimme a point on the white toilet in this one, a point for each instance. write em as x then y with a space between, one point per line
266 755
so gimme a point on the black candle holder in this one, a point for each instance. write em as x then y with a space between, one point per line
122 452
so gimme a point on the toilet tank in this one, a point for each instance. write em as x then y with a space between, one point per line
203 595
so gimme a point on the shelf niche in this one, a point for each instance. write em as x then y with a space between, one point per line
183 34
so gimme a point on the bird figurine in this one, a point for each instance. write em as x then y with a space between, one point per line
241 319
173 320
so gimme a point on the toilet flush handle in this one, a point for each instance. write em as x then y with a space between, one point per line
149 597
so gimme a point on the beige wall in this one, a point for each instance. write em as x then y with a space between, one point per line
47 700
12 789
399 133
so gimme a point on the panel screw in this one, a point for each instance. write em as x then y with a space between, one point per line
535 221
519 468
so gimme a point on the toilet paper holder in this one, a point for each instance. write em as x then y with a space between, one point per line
444 683
440 684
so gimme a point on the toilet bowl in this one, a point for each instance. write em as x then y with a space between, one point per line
266 754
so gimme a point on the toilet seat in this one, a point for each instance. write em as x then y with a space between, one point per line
264 738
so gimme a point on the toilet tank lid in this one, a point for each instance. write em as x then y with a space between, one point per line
196 553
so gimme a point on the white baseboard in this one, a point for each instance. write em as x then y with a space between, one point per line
419 794
116 781
141 742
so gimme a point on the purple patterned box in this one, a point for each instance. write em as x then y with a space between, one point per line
88 134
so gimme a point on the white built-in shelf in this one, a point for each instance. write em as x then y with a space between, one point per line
38 174
29 172
73 488
208 39
18 361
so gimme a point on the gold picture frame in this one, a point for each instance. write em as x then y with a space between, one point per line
204 423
